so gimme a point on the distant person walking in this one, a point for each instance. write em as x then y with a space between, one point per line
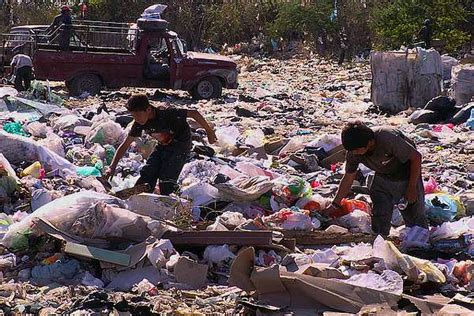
22 67
426 33
344 45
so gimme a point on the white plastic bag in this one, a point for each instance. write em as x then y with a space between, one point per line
227 137
8 167
18 148
326 142
297 221
325 256
255 138
54 143
37 129
106 132
62 213
161 253
219 255
450 230
69 121
356 221
230 220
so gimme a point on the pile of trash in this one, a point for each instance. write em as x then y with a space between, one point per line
247 229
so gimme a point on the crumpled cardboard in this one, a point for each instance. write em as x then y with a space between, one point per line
285 289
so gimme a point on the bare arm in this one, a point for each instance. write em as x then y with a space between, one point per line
415 171
121 150
195 115
344 187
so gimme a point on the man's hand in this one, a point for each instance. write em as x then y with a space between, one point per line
411 195
110 172
211 137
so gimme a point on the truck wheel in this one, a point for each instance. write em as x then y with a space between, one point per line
85 83
208 88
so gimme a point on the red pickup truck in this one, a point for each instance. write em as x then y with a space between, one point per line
147 55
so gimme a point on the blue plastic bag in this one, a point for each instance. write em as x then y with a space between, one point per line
442 207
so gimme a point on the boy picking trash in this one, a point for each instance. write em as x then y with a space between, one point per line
173 133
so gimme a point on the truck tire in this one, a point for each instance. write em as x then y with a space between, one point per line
207 88
85 83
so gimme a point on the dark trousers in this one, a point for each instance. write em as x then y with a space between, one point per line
384 194
23 78
165 165
65 37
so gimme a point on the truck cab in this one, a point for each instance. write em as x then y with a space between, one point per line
147 54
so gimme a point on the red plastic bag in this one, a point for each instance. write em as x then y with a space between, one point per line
348 206
430 186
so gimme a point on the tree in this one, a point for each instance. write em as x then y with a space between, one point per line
396 22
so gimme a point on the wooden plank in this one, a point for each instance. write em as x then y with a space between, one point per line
97 253
324 238
204 238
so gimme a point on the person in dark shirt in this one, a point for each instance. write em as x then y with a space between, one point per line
173 133
397 166
63 20
426 33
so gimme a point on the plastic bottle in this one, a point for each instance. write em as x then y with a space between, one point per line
34 170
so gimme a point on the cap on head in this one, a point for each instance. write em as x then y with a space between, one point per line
65 8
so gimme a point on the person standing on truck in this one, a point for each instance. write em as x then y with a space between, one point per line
22 68
173 133
63 20
397 166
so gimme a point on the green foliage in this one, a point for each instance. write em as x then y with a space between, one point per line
397 22
235 22
294 18
385 23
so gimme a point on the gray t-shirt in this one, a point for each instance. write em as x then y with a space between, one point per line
21 60
390 158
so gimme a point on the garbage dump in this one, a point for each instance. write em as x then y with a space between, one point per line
248 227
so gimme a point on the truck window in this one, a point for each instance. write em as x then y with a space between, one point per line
157 60
178 47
